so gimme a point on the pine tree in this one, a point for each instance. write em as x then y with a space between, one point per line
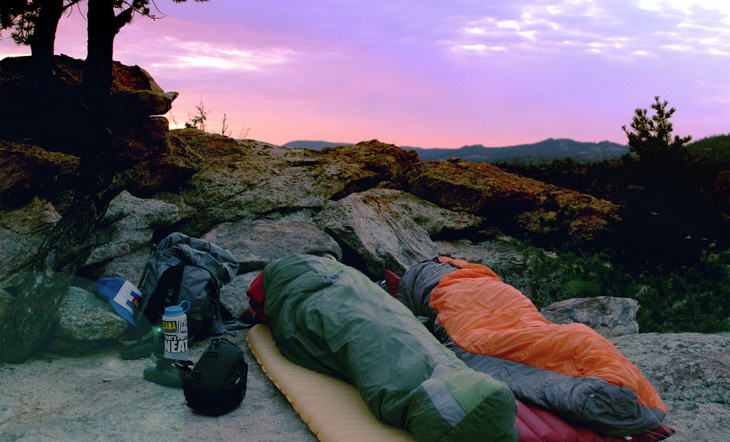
651 138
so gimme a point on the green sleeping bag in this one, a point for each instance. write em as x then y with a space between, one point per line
331 318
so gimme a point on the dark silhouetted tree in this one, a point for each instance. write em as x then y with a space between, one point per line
651 137
34 23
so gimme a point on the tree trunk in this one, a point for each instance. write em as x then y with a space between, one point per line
43 40
38 294
97 79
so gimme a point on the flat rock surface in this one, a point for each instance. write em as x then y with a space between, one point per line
102 397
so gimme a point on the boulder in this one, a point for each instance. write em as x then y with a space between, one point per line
136 94
374 235
257 243
434 219
499 255
683 366
85 323
512 202
249 179
167 170
609 316
371 164
29 171
478 188
691 371
139 140
22 232
129 266
30 101
131 222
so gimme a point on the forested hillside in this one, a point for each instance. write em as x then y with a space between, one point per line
537 153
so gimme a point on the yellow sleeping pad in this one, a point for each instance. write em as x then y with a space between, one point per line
332 409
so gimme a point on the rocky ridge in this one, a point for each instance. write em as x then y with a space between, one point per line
380 204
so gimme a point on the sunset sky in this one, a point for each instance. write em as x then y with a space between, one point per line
427 73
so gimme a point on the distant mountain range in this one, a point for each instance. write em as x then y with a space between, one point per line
541 152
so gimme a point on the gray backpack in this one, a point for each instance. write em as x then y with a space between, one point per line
182 268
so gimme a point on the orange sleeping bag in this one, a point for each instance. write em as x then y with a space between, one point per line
485 316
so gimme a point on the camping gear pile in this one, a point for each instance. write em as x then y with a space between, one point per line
447 352
179 300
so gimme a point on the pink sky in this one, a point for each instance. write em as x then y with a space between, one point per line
431 73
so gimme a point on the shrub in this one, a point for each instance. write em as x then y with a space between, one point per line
688 299
551 277
580 288
694 298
